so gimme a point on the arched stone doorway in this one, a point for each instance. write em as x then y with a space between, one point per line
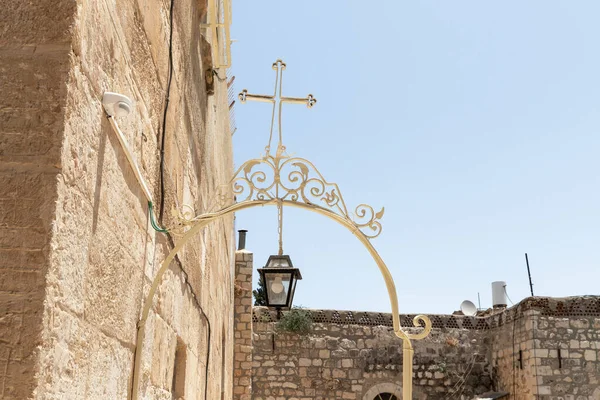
384 391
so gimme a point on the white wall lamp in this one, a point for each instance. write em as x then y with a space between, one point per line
118 105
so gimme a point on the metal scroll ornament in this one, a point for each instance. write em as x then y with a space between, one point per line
284 178
296 179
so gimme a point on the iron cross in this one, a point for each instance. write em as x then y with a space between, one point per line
277 100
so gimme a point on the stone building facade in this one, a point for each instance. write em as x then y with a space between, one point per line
542 348
77 250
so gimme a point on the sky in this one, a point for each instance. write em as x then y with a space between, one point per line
476 125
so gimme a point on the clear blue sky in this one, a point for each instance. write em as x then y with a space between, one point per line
476 125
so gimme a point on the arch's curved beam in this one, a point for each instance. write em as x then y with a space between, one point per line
203 220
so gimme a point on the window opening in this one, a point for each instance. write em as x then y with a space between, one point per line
386 396
178 385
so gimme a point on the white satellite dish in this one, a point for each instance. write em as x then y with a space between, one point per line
468 308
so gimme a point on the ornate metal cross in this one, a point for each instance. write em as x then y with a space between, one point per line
277 100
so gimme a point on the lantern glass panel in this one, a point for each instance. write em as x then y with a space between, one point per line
278 287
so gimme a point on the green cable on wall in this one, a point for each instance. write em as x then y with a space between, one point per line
152 221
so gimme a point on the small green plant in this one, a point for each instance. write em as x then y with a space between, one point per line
442 366
259 294
296 320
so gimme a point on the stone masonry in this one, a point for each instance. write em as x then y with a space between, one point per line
77 251
555 351
242 379
34 66
343 361
546 349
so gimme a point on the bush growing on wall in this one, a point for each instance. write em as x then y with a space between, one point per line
296 320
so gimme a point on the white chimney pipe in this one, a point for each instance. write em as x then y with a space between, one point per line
499 294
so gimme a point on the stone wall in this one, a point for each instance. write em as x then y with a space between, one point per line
542 348
575 373
242 380
341 361
556 341
77 252
34 64
512 356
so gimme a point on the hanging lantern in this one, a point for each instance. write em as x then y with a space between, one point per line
279 277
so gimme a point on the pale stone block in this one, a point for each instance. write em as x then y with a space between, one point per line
590 355
304 362
324 354
347 363
544 390
543 353
562 322
580 323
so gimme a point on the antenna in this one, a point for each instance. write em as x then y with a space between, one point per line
468 308
529 273
478 301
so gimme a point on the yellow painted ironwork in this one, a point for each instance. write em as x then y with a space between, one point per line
281 180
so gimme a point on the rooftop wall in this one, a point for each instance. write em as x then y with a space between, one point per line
353 355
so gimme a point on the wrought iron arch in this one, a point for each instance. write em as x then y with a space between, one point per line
295 182
281 180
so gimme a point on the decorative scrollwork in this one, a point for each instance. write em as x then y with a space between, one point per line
295 179
426 328
285 178
185 217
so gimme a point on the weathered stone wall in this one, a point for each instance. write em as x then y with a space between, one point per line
355 355
34 63
242 380
512 356
576 373
556 341
78 253
339 361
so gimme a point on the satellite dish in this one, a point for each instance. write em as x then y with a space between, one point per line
468 308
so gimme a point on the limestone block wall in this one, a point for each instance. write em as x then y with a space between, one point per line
512 355
242 380
575 372
34 65
542 348
354 361
556 349
78 254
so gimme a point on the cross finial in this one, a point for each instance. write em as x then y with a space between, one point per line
277 99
